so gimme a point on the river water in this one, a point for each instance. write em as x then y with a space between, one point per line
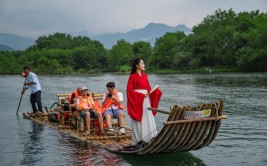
242 139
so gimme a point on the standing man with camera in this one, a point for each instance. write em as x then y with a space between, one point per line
112 107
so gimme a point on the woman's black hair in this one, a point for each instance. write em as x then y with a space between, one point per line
135 62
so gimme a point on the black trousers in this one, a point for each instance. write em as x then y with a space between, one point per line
36 98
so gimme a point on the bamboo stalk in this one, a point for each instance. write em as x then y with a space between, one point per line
38 115
65 127
64 94
21 96
107 137
196 120
94 94
158 110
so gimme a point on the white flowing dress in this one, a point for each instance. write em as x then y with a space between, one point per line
146 129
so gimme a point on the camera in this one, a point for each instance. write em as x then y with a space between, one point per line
109 95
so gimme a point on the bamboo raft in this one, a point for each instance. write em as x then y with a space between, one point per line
180 135
177 134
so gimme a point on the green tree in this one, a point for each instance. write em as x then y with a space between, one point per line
166 49
120 54
142 49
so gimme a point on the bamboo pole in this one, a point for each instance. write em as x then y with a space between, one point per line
61 95
94 94
21 96
38 115
65 127
196 120
158 110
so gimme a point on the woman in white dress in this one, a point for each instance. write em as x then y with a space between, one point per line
139 98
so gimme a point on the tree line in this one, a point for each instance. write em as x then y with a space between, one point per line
228 40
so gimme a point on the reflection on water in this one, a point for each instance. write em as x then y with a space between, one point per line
241 139
81 153
33 145
180 158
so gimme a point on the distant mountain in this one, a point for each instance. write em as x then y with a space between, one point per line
5 48
149 33
15 41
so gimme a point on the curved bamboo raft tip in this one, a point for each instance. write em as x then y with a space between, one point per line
179 133
182 132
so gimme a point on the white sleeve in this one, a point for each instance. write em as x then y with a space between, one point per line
34 79
120 95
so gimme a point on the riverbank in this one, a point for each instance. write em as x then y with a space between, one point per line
197 70
151 71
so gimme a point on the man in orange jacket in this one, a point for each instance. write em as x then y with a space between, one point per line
112 107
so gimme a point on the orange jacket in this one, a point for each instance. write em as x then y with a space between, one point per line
82 102
76 95
109 101
97 106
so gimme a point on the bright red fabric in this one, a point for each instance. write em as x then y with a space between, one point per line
135 100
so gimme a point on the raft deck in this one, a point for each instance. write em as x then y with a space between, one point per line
110 143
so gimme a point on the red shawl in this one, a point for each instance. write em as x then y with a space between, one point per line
135 100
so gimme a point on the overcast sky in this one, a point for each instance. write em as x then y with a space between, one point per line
41 17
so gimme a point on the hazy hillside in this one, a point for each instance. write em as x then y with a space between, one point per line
148 33
5 48
15 41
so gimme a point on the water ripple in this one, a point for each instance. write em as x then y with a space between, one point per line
241 140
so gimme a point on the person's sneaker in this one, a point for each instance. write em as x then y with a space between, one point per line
122 131
110 132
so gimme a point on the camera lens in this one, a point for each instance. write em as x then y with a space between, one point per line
109 95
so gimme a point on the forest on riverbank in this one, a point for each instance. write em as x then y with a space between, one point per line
225 40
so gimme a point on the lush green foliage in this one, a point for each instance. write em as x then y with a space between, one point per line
232 40
226 39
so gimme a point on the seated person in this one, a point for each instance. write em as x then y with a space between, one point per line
86 104
75 94
112 107
72 97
